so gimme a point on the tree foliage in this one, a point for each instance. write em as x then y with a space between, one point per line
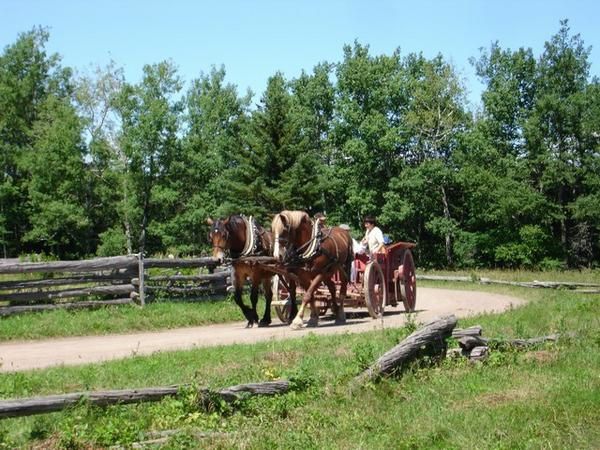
94 164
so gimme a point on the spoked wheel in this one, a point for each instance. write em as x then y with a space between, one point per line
280 293
375 289
408 281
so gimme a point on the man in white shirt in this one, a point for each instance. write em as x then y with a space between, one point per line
373 239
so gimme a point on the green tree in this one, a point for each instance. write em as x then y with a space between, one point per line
557 145
216 118
276 168
56 175
96 95
435 121
368 134
150 117
28 75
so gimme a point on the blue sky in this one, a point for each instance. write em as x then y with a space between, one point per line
254 39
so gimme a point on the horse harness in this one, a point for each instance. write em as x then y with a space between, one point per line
314 248
253 244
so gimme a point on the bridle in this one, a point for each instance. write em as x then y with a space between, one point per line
218 228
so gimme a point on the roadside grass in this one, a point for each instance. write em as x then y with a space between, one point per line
118 319
546 397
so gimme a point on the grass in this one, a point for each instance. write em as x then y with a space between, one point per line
544 398
117 319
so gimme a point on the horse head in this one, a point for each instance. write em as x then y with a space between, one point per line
219 237
291 230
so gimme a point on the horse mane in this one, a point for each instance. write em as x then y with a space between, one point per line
235 221
294 219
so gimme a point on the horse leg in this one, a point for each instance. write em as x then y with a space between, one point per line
337 304
340 317
239 285
331 286
267 287
254 302
293 304
305 282
308 297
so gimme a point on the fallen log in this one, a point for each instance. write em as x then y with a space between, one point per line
433 334
471 331
11 310
51 403
467 343
479 353
529 284
522 343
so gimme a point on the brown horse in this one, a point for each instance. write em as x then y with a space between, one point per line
314 254
241 236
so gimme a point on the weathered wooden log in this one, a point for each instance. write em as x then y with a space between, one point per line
529 284
479 353
471 331
432 334
53 282
467 343
12 310
181 262
41 405
187 290
21 298
443 278
179 278
522 343
90 265
207 297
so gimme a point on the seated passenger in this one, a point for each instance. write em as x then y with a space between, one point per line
373 240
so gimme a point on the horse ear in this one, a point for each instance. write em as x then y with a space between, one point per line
284 219
209 221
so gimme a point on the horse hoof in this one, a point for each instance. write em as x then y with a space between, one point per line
250 324
312 322
264 323
297 324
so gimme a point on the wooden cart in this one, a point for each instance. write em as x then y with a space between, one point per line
387 280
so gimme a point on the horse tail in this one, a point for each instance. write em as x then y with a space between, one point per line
349 254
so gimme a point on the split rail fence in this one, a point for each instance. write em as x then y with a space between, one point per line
117 280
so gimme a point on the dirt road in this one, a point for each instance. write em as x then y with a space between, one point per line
18 356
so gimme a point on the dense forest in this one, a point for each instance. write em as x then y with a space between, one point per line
95 165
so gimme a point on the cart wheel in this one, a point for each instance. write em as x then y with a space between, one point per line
375 289
408 282
280 292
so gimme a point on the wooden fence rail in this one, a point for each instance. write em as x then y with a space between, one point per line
530 284
103 281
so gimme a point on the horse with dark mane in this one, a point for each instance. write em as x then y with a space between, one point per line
314 254
241 236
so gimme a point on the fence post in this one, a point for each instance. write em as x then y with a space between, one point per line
141 277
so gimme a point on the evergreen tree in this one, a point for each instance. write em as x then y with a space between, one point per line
150 117
28 75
